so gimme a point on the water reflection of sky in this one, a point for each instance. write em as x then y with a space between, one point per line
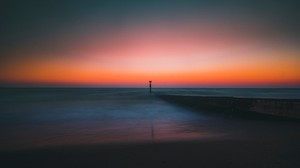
89 117
42 135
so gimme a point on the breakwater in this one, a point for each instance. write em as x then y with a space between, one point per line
276 107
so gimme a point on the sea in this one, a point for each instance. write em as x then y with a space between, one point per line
51 117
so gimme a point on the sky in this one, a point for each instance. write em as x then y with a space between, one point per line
126 43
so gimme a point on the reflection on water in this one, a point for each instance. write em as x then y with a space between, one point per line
50 117
77 133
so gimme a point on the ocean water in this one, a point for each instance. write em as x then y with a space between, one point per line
45 117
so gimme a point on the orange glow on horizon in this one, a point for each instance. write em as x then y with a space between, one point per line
258 73
169 58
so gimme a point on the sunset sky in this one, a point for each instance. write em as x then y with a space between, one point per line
174 43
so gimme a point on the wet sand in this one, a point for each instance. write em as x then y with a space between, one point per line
252 143
256 152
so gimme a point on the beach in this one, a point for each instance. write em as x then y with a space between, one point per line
61 127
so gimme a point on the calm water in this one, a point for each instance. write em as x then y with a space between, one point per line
42 117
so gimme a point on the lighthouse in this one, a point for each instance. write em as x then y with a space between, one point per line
150 86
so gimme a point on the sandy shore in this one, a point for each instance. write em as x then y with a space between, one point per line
229 140
224 153
255 143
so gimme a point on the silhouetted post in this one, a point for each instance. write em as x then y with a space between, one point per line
150 86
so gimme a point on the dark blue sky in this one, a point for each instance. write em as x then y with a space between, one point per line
22 21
